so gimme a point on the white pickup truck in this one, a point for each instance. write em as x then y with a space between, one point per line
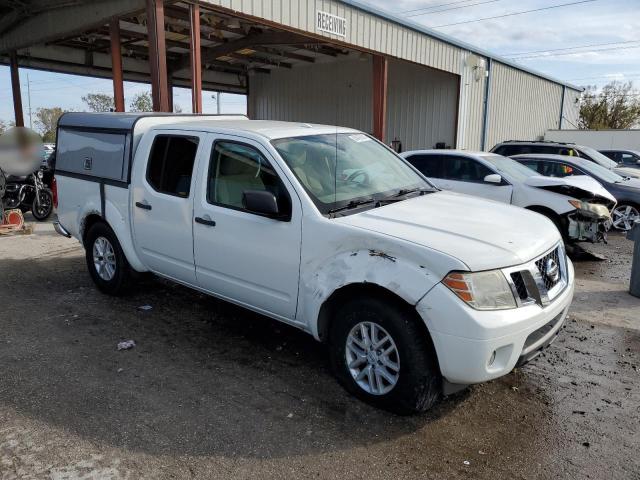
323 228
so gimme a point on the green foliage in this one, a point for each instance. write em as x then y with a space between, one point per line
47 122
617 106
99 102
141 103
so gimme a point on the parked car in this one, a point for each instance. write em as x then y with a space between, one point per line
628 158
515 147
323 228
580 208
625 189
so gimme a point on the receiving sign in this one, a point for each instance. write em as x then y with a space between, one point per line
329 23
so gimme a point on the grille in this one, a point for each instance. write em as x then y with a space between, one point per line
544 264
521 288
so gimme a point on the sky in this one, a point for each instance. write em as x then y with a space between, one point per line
586 43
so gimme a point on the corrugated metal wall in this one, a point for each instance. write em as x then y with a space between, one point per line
421 106
363 29
332 93
521 106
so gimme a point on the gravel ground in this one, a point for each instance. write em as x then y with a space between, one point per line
213 391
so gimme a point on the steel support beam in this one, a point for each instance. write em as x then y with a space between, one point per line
157 56
380 74
196 59
15 88
116 64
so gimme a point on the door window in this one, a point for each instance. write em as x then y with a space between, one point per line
629 158
534 165
236 168
555 169
464 169
428 165
170 164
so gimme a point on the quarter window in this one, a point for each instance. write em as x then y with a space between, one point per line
428 165
171 164
236 168
464 169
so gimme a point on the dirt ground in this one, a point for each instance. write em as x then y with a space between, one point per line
213 391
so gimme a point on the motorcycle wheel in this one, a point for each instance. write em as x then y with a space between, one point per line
43 211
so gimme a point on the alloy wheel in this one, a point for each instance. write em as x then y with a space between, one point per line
372 358
624 216
104 259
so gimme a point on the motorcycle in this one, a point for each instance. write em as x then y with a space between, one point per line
29 193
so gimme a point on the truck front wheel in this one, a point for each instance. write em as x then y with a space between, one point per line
380 354
108 267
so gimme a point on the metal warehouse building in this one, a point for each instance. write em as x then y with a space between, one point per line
323 61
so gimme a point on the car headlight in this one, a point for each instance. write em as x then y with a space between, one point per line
482 290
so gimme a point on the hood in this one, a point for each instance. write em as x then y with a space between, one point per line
580 187
481 233
628 172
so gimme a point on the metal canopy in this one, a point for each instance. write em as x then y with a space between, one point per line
232 48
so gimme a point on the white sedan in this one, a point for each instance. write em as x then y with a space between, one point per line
579 207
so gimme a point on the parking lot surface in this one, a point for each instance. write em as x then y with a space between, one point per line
213 391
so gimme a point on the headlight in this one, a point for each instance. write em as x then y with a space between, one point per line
482 290
591 209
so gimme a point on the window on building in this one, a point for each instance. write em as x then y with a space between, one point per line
170 164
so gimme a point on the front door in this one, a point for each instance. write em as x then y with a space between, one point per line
466 175
248 258
162 209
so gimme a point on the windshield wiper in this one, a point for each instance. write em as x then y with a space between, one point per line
351 205
402 192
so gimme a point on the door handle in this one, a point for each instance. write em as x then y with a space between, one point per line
143 206
205 221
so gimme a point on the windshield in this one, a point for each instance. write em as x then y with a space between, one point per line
598 157
338 169
600 172
510 167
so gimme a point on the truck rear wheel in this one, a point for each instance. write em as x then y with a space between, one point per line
108 267
380 354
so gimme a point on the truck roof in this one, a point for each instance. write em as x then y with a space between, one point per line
269 129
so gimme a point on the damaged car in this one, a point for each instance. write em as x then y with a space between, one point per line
323 228
579 207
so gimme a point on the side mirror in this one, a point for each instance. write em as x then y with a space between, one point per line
493 178
261 202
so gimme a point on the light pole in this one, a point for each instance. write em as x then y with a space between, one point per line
216 97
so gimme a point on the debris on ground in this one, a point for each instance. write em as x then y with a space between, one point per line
145 308
126 345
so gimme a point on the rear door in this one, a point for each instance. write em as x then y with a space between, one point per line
242 256
466 175
162 209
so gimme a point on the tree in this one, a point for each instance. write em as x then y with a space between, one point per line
617 106
6 125
141 103
99 102
47 122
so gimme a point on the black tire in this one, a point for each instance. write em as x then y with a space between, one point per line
42 212
419 384
117 285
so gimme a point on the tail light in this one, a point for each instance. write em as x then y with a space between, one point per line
54 191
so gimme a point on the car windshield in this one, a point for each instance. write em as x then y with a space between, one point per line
510 167
600 172
338 170
598 157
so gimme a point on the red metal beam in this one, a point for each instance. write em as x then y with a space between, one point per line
15 88
380 70
196 59
157 55
116 64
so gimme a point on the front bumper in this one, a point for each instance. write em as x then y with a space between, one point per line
474 346
57 226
